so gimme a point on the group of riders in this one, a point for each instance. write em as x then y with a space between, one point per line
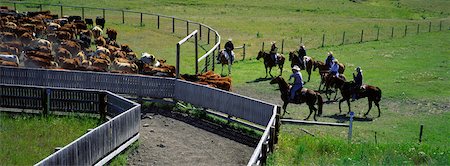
333 71
331 62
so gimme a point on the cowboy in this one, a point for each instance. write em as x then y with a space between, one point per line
334 70
301 55
358 82
273 52
229 47
298 81
329 60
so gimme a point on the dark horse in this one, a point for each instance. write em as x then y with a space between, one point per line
224 61
310 97
269 62
334 82
295 61
372 93
323 70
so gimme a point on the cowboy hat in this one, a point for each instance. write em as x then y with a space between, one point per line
330 53
230 39
273 42
296 68
335 61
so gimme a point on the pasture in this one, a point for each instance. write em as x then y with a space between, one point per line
412 71
27 139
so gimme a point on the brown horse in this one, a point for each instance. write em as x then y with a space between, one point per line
224 61
323 70
333 82
372 93
309 97
295 61
269 62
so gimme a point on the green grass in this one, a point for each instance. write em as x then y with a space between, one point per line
412 71
27 139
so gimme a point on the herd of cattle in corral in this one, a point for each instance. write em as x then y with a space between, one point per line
43 40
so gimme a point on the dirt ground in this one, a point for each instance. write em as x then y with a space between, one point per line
172 138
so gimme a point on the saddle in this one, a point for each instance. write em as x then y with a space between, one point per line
301 93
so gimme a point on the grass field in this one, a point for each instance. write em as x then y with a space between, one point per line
27 139
412 71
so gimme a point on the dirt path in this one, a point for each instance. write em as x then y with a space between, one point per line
169 138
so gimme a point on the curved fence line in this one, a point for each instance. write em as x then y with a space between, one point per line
92 147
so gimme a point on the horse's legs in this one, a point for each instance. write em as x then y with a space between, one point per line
266 71
378 106
340 101
315 111
370 107
348 104
281 69
284 108
309 75
335 95
270 71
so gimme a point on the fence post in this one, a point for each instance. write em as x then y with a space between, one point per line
187 28
158 22
178 61
378 33
323 40
264 153
350 127
243 54
429 27
102 105
123 17
440 25
277 124
362 35
206 63
271 140
262 48
173 24
406 29
214 57
104 16
200 30
82 12
61 10
418 27
40 7
343 38
420 134
282 46
196 54
141 19
46 101
301 40
209 31
392 32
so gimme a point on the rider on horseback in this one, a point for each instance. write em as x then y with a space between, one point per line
229 47
334 70
298 81
301 55
273 52
358 82
329 60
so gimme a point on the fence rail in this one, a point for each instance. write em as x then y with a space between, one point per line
92 146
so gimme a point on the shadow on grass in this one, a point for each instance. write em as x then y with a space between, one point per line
259 80
342 118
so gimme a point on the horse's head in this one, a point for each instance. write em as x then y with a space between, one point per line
291 55
260 55
276 80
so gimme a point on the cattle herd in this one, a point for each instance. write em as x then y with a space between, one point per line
44 40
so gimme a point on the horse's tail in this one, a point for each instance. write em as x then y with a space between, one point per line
378 94
319 103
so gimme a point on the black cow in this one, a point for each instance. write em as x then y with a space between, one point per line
100 21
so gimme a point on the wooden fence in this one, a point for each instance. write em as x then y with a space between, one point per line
229 103
94 146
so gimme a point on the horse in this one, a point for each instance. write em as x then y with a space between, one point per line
295 61
224 61
269 62
372 93
310 97
323 70
333 82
